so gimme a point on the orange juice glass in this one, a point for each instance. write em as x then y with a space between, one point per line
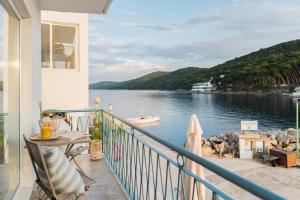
46 132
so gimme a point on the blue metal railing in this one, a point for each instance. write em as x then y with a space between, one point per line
149 167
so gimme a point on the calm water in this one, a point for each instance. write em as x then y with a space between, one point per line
217 113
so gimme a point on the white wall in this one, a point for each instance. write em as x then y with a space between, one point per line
67 88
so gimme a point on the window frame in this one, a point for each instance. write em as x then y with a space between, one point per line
77 51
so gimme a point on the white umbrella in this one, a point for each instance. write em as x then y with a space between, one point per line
193 144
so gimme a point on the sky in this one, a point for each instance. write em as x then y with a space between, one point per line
137 37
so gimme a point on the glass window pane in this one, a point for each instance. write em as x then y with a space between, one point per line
10 105
45 45
64 47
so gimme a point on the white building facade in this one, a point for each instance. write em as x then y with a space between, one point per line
38 64
64 60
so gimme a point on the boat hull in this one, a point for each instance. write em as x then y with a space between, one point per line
144 120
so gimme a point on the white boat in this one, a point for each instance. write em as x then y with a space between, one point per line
296 94
144 120
205 87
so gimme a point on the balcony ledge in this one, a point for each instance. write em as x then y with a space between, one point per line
78 6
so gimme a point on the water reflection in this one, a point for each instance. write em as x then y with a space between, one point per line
217 113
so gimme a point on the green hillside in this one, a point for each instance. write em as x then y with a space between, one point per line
131 84
179 79
102 85
265 68
268 67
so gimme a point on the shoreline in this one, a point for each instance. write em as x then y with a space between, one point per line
257 92
228 143
238 92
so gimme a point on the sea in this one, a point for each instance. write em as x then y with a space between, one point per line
217 113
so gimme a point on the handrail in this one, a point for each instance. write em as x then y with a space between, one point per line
228 175
245 184
71 111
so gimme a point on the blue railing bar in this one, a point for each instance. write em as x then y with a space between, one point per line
228 175
71 111
207 184
171 161
3 114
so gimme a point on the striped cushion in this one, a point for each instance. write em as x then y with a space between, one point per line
64 176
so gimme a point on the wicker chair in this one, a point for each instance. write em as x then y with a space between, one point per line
38 162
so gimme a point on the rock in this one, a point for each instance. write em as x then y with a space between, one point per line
283 139
232 137
291 147
205 143
207 151
234 149
291 131
221 148
215 140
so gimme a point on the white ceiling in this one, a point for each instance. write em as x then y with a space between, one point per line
79 6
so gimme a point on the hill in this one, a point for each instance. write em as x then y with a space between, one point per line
130 84
179 79
265 68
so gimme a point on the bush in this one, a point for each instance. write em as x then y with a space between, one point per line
291 88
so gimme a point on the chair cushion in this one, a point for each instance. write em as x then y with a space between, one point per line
77 151
64 176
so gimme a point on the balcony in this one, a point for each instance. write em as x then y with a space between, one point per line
106 186
139 165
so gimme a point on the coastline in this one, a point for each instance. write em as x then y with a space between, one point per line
255 92
237 92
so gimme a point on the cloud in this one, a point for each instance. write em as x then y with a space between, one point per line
209 38
130 13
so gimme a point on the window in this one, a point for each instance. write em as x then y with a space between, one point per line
59 46
9 101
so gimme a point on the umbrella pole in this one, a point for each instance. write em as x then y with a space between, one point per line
297 127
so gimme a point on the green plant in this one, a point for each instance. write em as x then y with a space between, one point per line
291 88
96 129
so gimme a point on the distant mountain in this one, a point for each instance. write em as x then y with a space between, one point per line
102 85
179 79
265 68
130 84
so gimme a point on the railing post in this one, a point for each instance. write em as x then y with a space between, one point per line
102 124
110 138
215 196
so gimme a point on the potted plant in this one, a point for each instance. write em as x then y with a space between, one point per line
96 137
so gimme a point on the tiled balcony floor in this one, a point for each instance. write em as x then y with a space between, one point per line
106 186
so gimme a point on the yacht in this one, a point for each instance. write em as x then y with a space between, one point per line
296 93
204 87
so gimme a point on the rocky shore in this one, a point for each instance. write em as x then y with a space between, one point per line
228 143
